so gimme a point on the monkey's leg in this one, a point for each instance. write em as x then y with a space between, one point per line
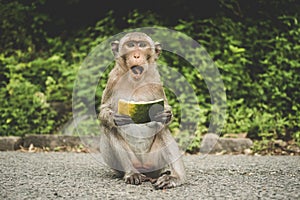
172 156
117 154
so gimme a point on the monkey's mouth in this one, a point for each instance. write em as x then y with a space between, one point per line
137 71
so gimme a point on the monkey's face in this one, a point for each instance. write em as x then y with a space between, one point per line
135 53
136 56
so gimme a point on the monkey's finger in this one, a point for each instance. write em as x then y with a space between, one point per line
122 117
153 180
131 179
164 114
121 120
164 185
161 185
135 179
164 182
163 117
146 179
168 117
168 111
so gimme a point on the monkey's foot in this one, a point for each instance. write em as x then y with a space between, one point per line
134 178
165 181
151 180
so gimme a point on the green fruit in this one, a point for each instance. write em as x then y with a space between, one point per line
141 111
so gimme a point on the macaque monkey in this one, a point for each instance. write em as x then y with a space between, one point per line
138 153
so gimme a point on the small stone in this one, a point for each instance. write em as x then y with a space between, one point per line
210 143
280 143
248 151
232 145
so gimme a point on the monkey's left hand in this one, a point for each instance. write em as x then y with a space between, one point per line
163 117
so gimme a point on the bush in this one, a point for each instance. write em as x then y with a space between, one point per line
259 64
24 109
29 92
257 56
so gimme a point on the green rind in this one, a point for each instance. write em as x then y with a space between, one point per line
140 112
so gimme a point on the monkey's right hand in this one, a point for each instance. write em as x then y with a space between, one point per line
163 117
121 120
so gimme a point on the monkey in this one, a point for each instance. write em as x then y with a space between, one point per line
154 156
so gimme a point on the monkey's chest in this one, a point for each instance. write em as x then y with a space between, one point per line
140 137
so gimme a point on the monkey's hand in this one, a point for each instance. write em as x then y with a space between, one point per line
135 178
121 120
163 117
165 182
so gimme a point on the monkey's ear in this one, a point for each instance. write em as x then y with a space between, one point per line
157 48
115 47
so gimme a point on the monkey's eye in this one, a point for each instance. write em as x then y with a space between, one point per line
142 44
130 44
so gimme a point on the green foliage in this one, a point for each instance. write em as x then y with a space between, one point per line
257 56
21 25
29 91
24 109
136 19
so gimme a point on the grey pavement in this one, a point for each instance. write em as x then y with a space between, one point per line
80 176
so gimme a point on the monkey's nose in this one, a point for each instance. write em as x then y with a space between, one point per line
136 56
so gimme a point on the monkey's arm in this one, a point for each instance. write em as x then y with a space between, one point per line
106 112
110 118
107 115
164 117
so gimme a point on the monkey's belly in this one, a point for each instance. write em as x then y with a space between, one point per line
140 137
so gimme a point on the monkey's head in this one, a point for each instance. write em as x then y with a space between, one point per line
136 52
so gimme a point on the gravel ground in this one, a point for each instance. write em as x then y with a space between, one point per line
80 176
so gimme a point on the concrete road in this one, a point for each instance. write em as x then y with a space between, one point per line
80 176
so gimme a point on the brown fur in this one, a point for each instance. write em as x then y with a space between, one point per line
145 160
